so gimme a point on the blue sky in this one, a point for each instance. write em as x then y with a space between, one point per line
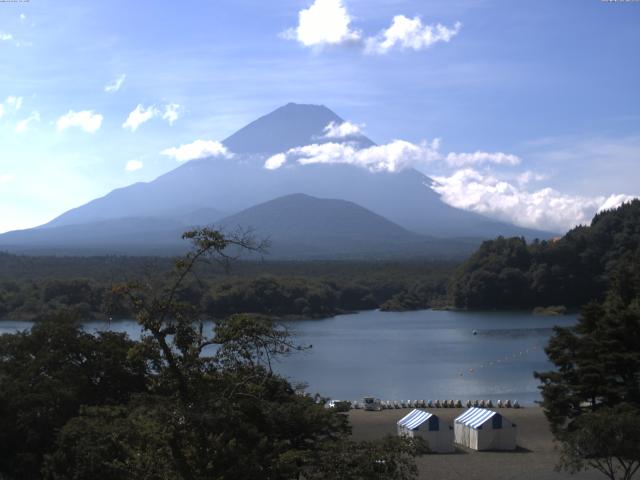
555 84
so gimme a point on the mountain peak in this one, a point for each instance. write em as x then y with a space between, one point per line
292 125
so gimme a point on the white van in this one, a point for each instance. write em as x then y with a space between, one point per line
372 404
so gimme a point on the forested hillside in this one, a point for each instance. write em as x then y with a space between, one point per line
32 288
570 271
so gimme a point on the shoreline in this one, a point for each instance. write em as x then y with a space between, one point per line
534 459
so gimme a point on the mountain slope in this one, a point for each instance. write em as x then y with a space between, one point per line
129 235
287 127
299 225
238 183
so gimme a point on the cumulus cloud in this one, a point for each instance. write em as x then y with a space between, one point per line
133 165
171 113
11 104
14 102
275 161
528 176
325 22
23 17
409 34
115 85
139 116
5 37
614 201
545 208
392 157
479 158
342 130
86 120
196 150
23 125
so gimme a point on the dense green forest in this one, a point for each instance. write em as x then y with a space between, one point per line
502 273
32 288
75 405
570 271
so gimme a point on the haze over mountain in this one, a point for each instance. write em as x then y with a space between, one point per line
202 191
301 226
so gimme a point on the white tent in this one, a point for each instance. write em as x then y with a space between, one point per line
427 425
482 429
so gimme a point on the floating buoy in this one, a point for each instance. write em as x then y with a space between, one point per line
475 332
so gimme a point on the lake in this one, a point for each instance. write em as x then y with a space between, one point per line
425 354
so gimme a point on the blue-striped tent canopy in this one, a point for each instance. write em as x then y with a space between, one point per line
475 417
414 419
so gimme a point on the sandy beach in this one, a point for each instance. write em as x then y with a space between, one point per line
534 459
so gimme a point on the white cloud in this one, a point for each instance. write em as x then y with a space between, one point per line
115 85
86 120
171 113
479 158
196 150
325 22
23 125
133 165
342 130
410 33
14 102
614 201
11 104
139 116
23 17
391 157
5 37
528 176
275 161
545 208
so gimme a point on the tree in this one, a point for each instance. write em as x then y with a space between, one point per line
592 399
46 375
214 407
607 440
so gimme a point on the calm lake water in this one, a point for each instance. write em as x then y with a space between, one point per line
412 355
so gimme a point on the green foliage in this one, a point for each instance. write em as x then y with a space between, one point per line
592 399
111 443
46 375
571 271
32 288
607 440
182 403
391 458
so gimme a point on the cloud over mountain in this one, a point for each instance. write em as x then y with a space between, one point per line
342 130
197 149
391 157
484 193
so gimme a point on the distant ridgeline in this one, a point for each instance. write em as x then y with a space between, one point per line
571 271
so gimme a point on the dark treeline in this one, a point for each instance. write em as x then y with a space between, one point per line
76 405
32 288
571 271
503 273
